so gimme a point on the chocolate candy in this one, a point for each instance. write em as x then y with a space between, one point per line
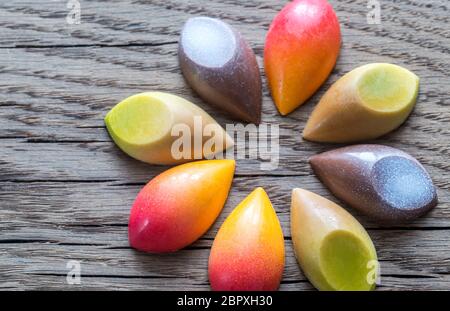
144 126
385 183
332 248
221 67
365 103
301 48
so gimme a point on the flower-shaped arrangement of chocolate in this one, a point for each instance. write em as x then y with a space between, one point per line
178 206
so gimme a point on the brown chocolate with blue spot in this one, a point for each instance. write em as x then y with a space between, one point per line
221 67
384 183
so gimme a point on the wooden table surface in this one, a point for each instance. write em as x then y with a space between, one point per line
66 189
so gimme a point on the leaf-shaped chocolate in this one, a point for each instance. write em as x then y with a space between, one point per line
302 46
332 247
221 67
385 183
148 127
365 103
248 250
179 205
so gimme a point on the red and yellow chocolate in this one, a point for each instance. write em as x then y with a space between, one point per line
177 207
301 49
248 251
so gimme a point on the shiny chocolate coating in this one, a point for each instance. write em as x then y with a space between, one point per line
221 67
384 183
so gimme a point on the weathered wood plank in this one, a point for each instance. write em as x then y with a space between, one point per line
399 261
42 99
108 203
71 222
43 22
71 104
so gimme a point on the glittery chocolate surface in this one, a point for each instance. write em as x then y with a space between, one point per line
402 183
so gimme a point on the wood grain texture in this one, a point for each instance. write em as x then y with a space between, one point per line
66 189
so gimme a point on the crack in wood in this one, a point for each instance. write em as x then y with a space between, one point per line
293 281
111 276
93 45
426 228
63 141
24 241
409 276
41 241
